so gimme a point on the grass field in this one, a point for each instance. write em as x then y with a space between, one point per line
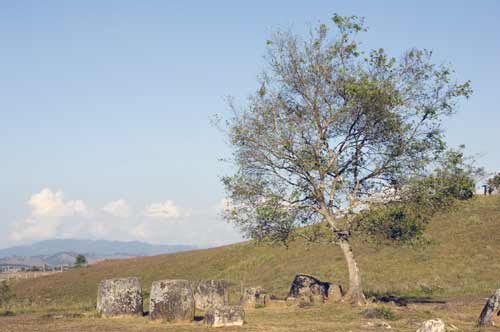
459 313
24 275
459 266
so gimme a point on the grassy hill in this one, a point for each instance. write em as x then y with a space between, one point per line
462 259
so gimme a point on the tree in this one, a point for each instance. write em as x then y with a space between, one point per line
5 294
80 261
330 127
494 183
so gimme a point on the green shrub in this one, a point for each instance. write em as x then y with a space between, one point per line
5 294
404 216
80 261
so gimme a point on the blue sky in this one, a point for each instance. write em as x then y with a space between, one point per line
105 106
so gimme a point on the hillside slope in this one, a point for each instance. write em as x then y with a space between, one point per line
462 260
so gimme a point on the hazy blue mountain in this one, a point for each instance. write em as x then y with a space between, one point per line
62 258
94 248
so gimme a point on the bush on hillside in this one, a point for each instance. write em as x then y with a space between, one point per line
494 183
80 261
403 217
5 294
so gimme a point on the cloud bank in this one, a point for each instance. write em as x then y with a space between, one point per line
52 215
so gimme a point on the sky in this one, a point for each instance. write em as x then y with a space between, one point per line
105 106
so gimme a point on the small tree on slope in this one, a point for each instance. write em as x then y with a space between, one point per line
330 128
80 261
5 293
494 183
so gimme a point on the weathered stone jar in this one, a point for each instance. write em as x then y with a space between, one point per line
225 315
119 296
253 297
172 300
209 293
307 288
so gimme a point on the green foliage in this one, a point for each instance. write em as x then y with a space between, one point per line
80 261
393 222
404 216
264 213
348 23
494 182
5 294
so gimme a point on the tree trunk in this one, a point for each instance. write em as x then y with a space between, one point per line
355 292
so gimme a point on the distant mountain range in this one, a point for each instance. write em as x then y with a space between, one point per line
63 251
62 258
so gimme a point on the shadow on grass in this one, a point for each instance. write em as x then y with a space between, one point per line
7 313
197 318
403 300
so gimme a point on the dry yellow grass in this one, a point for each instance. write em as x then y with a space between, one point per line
460 313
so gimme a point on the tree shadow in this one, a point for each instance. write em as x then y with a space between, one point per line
403 301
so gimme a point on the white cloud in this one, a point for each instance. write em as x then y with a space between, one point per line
165 210
52 215
118 208
201 230
48 211
51 204
202 227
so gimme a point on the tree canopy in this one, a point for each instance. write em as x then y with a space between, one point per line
331 127
494 182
